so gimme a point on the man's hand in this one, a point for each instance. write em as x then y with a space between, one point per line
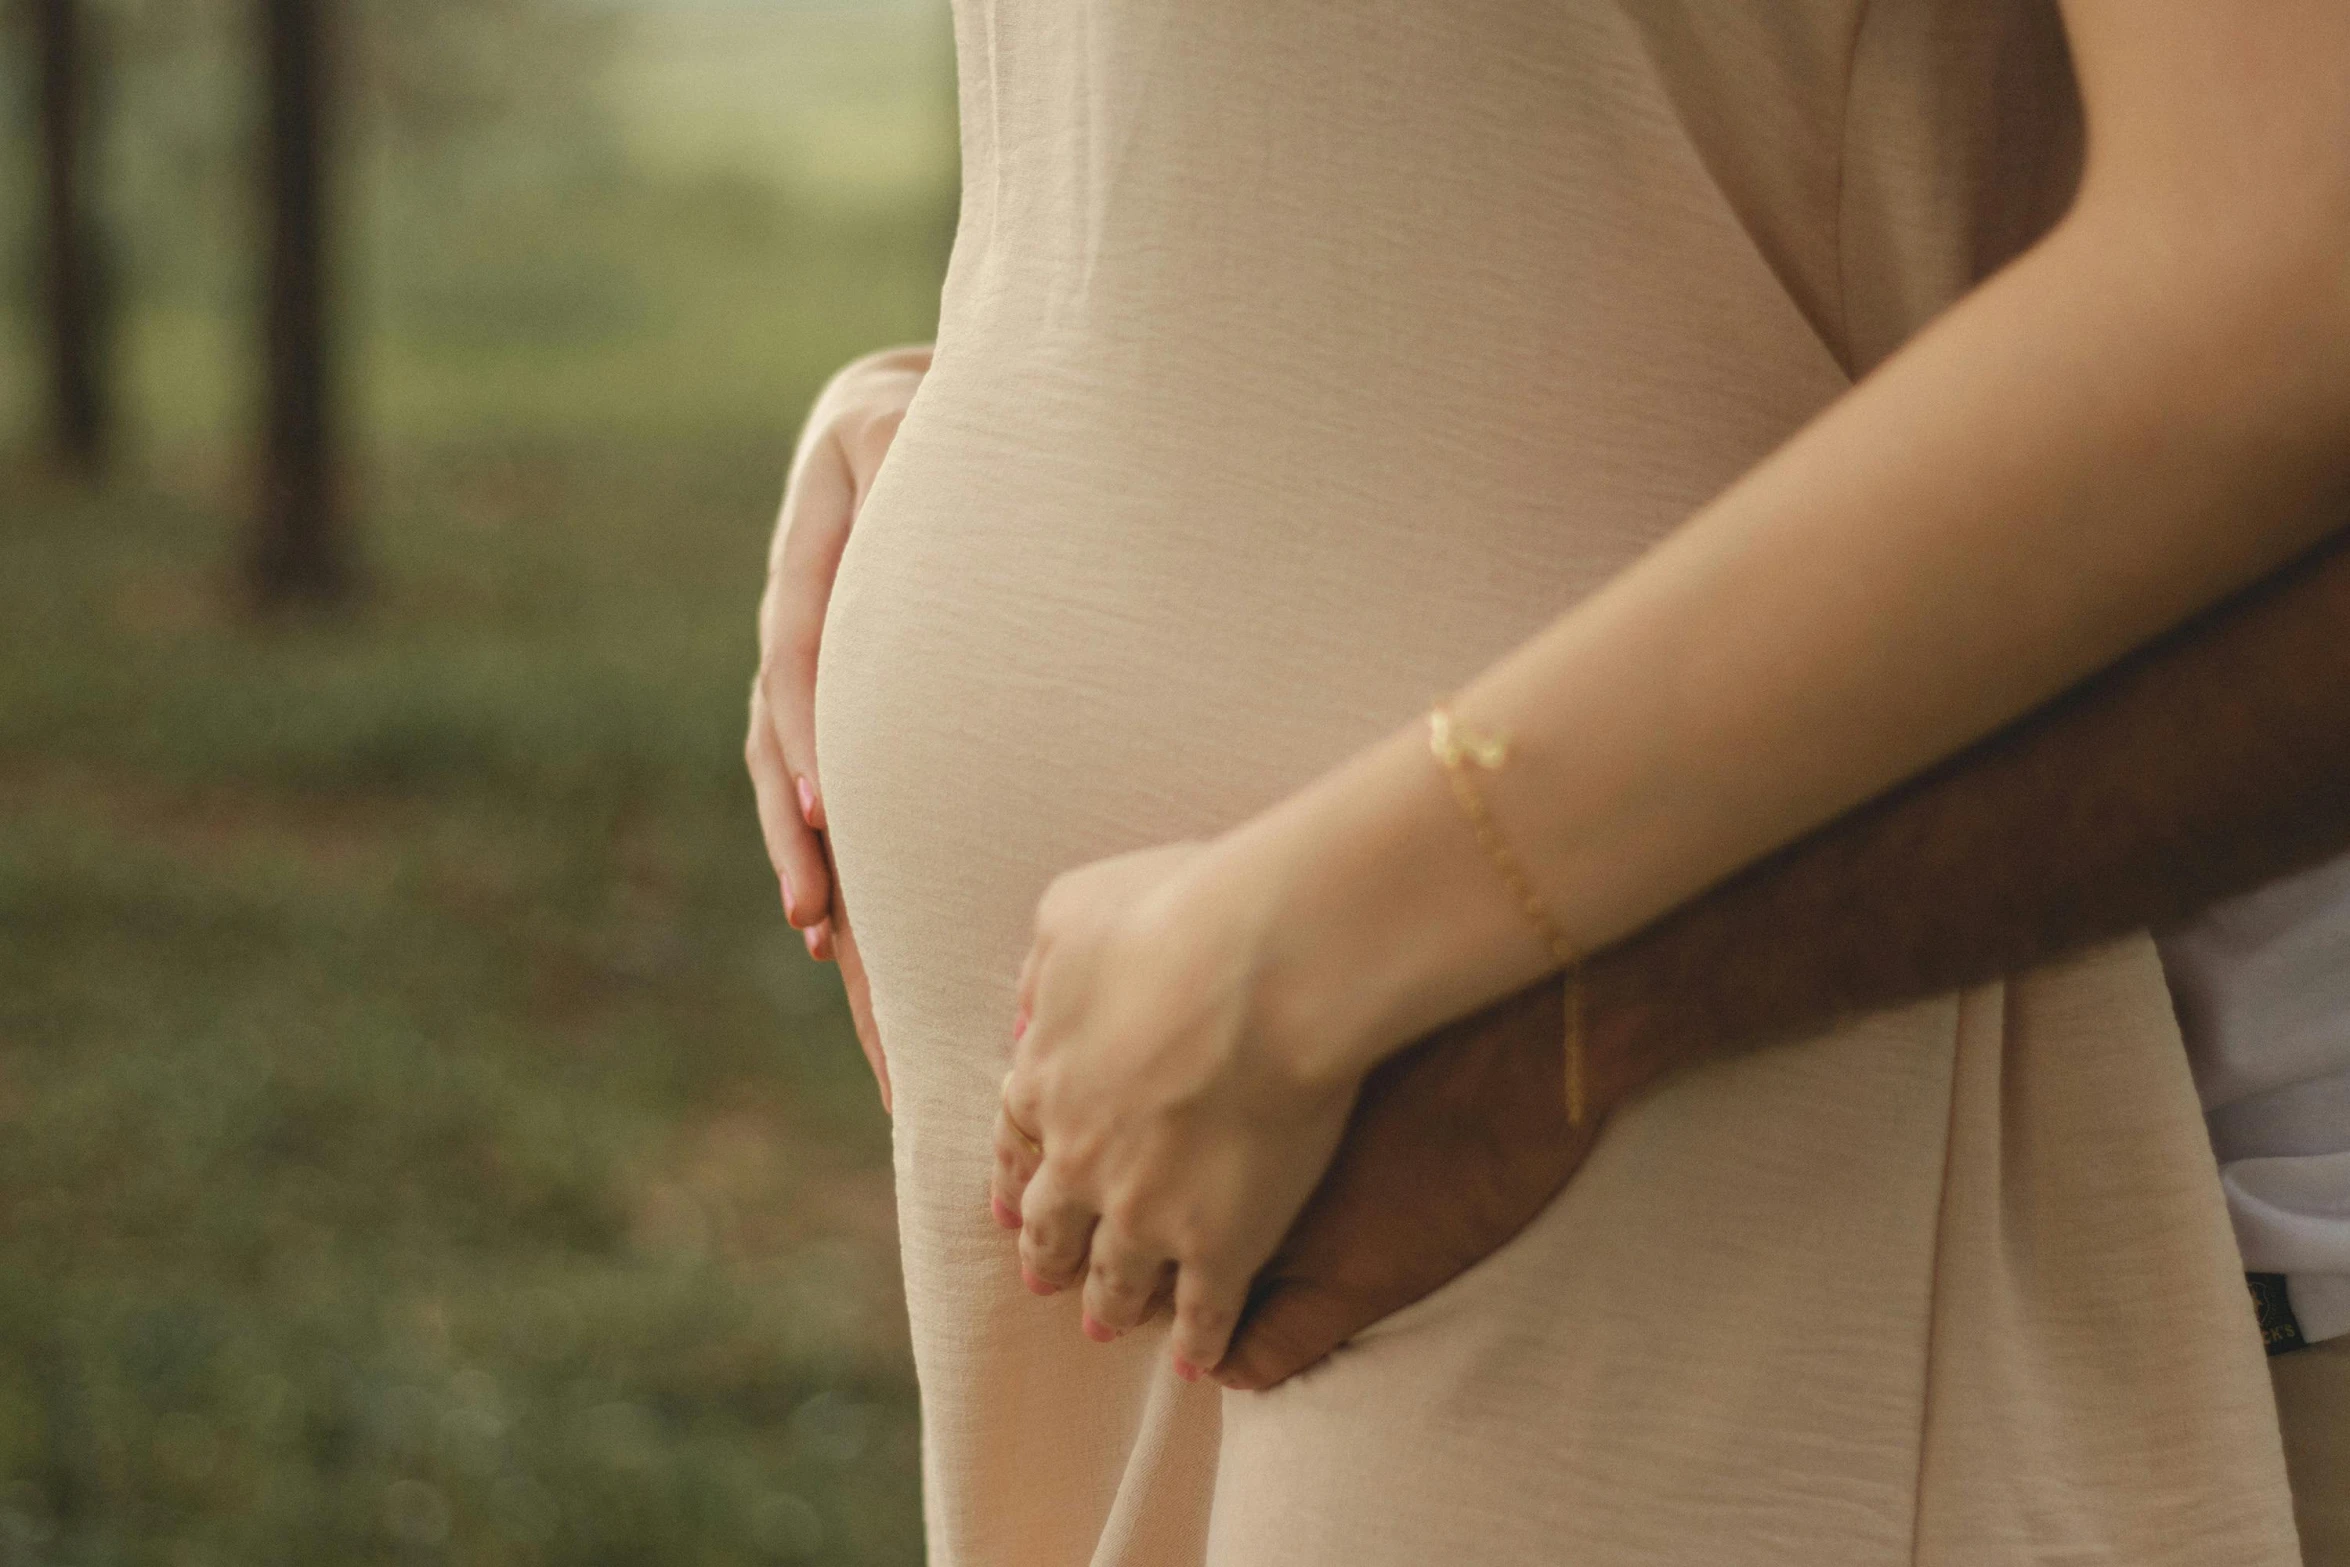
2209 763
1455 1145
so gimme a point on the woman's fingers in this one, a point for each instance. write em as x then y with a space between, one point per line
1056 1227
1018 1153
1121 1278
819 507
1016 1159
791 845
1208 1298
788 686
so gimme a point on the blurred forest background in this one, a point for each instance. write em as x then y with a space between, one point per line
421 1139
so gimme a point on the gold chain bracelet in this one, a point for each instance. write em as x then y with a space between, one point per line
1454 746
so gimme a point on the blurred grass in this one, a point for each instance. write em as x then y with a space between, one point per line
417 1128
421 1139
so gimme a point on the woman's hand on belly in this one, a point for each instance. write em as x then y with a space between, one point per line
1152 1138
847 435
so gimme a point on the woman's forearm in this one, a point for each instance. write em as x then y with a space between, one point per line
2118 430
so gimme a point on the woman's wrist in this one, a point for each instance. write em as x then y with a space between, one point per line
1373 914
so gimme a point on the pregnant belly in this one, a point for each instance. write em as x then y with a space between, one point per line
1022 672
1069 626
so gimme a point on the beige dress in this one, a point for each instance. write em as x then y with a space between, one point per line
1299 357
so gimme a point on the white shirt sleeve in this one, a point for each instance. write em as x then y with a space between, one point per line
2262 986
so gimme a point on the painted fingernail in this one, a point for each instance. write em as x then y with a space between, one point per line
813 937
1019 1025
807 802
1094 1330
1003 1213
1037 1286
1186 1370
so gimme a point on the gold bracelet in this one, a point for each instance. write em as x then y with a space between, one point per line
1452 746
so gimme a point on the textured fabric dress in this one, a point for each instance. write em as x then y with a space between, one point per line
1297 359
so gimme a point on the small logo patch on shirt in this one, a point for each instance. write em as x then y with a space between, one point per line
2280 1330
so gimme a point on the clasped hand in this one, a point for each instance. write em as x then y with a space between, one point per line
1155 1140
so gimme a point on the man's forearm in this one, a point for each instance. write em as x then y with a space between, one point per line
2204 765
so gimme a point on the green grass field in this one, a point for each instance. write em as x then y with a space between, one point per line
421 1139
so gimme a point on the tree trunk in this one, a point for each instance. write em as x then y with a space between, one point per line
73 281
300 553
